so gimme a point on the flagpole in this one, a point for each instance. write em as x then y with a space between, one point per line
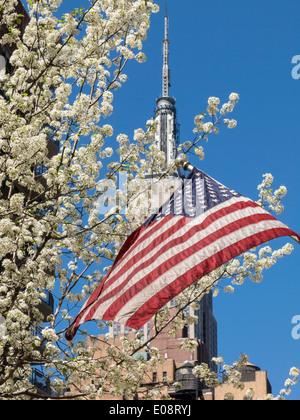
183 163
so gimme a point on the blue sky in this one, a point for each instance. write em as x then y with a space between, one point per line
245 47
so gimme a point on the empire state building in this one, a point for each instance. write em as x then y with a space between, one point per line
167 140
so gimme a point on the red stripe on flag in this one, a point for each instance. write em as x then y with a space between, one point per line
170 262
134 241
133 259
154 304
131 240
130 244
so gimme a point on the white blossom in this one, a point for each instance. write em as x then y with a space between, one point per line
54 238
232 124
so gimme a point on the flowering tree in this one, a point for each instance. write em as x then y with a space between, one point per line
53 237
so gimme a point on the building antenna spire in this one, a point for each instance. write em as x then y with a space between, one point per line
166 70
167 135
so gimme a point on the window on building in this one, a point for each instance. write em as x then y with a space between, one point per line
6 52
185 332
154 376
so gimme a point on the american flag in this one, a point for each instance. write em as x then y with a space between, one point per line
201 227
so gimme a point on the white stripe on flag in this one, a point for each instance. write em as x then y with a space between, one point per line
181 232
176 250
148 292
170 223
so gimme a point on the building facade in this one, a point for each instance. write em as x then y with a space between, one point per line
46 307
206 329
253 378
5 50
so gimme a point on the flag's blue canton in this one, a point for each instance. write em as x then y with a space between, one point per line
198 194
